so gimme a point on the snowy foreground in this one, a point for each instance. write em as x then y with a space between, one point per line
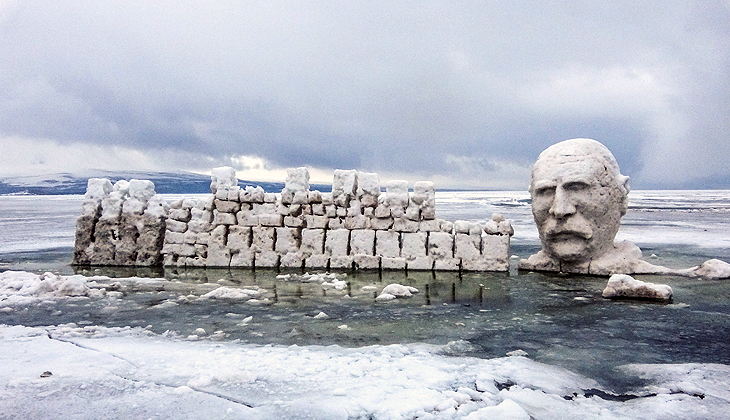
132 373
68 371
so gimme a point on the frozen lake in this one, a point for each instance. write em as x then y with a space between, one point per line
458 326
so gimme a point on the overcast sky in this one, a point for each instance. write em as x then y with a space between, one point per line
466 94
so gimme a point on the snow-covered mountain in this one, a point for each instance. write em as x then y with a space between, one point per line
165 182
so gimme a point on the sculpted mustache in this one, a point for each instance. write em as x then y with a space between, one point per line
568 232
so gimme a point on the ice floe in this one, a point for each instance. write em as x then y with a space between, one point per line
395 290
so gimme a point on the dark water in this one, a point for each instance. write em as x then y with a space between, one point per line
556 319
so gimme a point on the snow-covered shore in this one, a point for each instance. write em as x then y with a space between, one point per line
72 371
94 372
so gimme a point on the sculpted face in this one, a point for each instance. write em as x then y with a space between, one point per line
578 199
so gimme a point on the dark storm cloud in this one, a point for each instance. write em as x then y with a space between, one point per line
423 88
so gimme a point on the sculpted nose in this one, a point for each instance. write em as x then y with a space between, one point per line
562 204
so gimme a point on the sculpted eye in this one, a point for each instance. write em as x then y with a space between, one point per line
576 186
545 192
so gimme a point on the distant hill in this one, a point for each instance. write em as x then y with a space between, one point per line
165 183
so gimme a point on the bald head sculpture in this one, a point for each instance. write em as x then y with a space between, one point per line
578 199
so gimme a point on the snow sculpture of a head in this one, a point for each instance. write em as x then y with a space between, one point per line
578 198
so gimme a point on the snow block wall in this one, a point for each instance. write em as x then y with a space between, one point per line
120 224
354 226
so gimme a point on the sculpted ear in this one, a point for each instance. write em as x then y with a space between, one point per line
624 183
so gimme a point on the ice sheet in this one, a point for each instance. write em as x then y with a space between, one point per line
101 372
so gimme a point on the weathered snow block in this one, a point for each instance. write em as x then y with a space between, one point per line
625 286
141 189
337 242
264 239
312 242
219 235
84 237
342 262
242 258
297 179
227 206
387 243
246 218
288 240
297 182
292 260
402 224
266 259
368 188
133 206
176 226
344 186
252 195
396 194
467 247
413 245
440 245
318 209
239 238
366 262
263 208
222 218
344 182
420 263
222 177
98 188
111 206
150 241
317 261
271 220
316 222
424 196
384 223
447 264
336 223
496 247
433 225
104 247
354 208
356 222
126 246
388 263
362 242
461 226
218 256
413 212
181 215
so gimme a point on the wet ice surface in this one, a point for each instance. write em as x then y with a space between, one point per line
558 320
158 348
102 373
408 354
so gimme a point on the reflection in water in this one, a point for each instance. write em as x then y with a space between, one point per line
435 287
556 319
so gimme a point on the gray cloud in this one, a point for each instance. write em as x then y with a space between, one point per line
419 88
